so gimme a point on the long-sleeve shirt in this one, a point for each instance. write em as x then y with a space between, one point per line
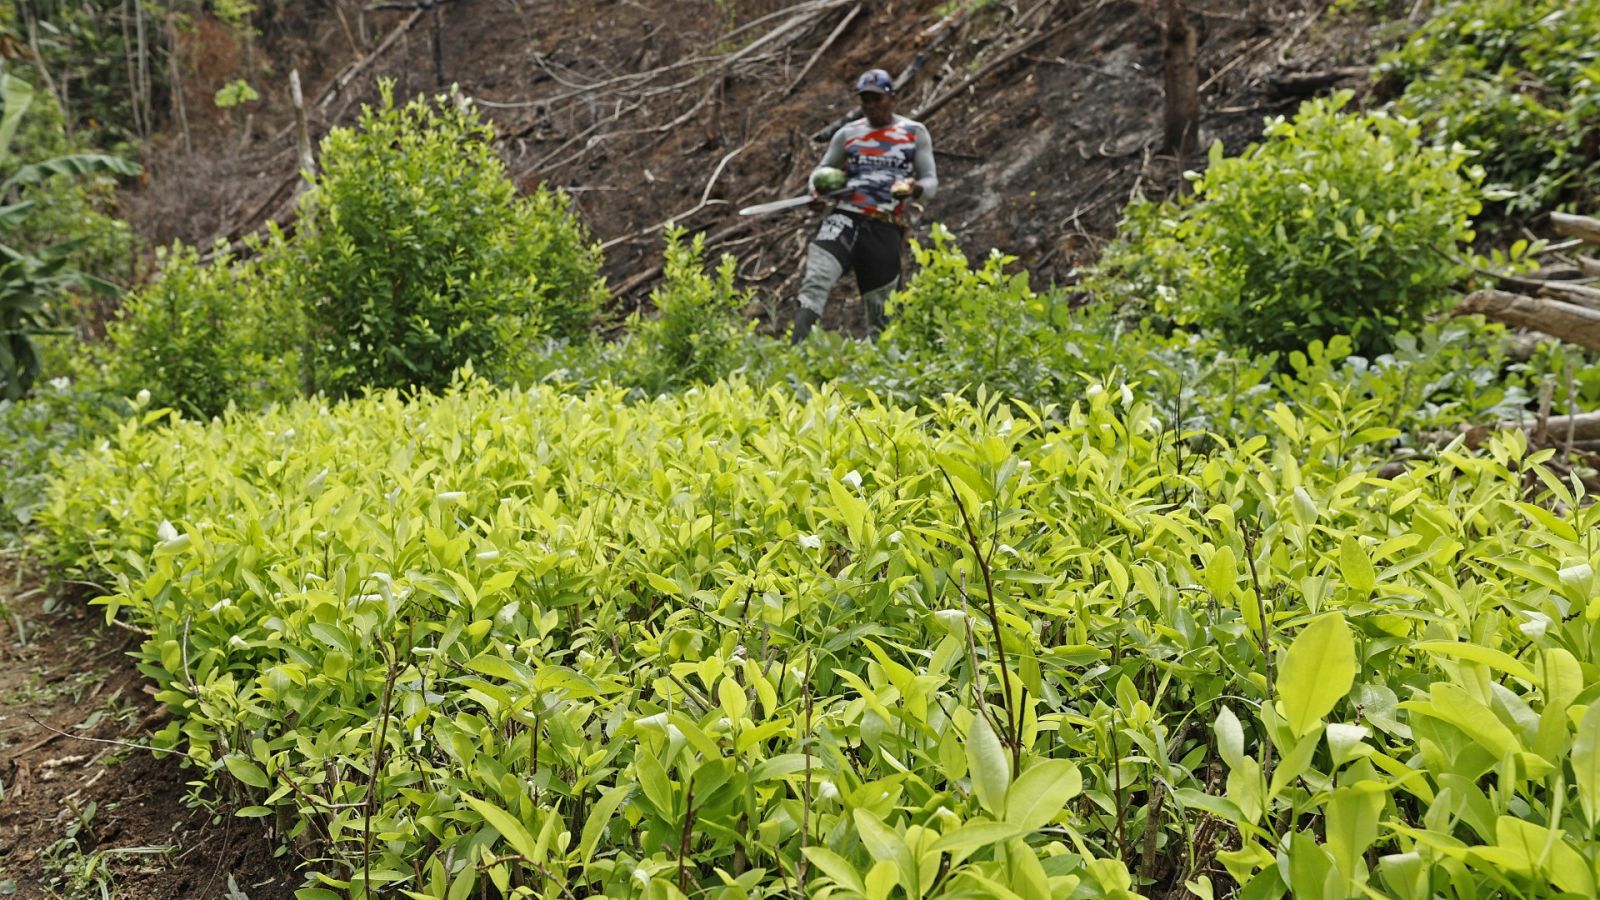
873 159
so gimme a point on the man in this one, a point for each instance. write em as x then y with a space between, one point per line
887 160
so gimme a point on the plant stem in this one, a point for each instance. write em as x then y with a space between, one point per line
1266 641
805 796
683 840
1014 735
377 766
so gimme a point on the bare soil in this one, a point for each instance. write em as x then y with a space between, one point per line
84 805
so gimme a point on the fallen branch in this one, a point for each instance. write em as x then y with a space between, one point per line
1580 429
1234 63
906 75
343 79
1580 227
828 42
932 106
1305 84
1572 293
640 279
705 200
1559 319
1546 287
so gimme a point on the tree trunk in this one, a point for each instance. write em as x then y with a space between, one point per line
1181 81
179 110
308 163
1569 322
438 50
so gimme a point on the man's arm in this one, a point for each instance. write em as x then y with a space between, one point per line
835 157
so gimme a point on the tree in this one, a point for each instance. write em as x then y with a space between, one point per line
1180 81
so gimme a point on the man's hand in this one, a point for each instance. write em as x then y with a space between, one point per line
818 202
905 187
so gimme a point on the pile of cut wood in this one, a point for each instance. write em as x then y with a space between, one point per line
1563 305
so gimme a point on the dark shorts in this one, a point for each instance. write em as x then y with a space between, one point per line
869 247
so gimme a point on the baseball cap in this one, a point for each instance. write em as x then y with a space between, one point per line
875 81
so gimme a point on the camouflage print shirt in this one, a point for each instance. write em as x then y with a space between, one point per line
873 159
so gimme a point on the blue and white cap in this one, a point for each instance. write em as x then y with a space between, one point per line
875 81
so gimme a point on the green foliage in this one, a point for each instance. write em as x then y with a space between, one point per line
35 278
1519 83
990 325
1334 224
235 93
90 45
76 204
60 417
204 336
112 60
1376 8
692 337
416 257
417 632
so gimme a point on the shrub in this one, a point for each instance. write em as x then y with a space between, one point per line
1517 82
696 330
987 326
202 337
416 256
1334 224
621 649
61 415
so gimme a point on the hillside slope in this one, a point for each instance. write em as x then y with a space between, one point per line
1045 116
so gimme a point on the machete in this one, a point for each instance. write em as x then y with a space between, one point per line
761 209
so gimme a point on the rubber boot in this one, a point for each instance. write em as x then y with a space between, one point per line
803 320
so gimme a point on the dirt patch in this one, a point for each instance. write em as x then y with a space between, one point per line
81 808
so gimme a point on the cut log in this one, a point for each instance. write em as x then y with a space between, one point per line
1582 430
1559 319
1557 429
1588 265
1580 227
1572 293
1306 84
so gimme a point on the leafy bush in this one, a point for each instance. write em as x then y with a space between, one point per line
991 321
416 257
770 643
202 337
60 416
1519 83
693 334
1334 224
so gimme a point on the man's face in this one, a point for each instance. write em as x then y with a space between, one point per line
877 106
